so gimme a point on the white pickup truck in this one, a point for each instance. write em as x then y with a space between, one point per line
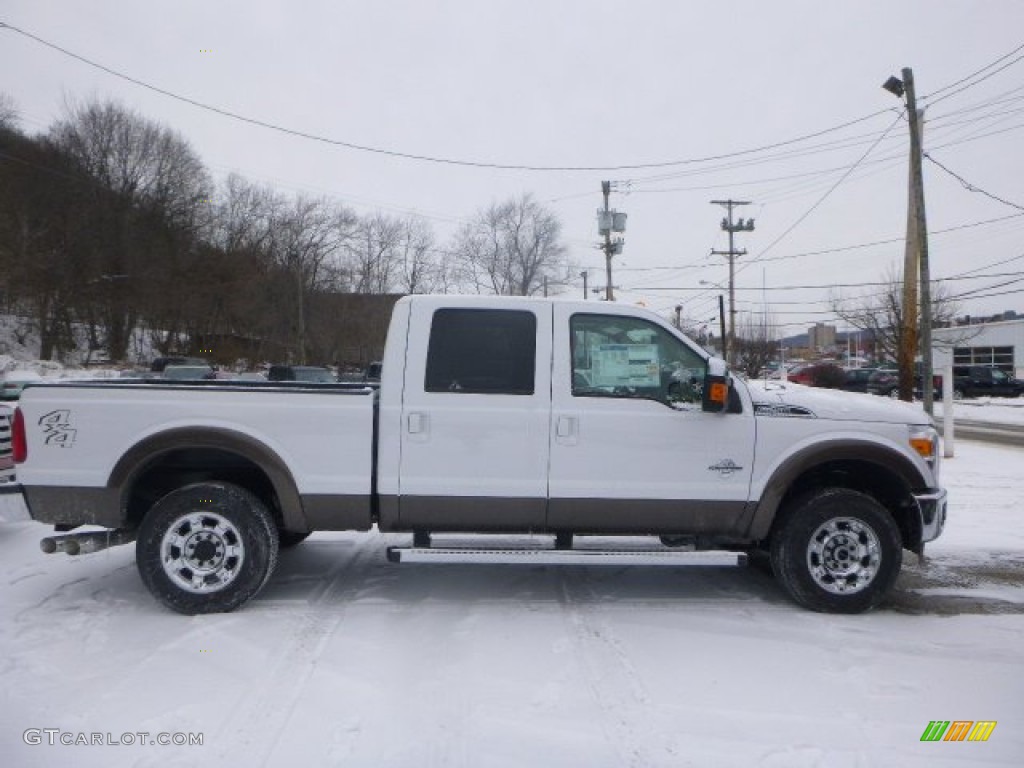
493 416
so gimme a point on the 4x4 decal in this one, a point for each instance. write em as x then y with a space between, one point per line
57 429
726 467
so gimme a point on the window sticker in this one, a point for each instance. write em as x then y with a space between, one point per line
626 365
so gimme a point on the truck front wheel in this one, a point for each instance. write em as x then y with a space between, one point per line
837 550
206 548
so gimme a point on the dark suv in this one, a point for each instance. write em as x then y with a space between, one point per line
856 379
982 381
884 381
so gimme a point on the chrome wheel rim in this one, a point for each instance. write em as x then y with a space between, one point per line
843 556
202 552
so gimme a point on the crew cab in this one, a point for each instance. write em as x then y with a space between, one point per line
493 416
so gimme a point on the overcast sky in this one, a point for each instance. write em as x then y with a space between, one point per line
593 84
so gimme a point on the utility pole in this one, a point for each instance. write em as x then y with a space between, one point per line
728 351
915 263
921 238
721 322
606 189
608 221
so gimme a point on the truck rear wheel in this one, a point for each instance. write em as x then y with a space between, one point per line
206 548
837 550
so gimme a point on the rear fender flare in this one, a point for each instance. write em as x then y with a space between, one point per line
141 456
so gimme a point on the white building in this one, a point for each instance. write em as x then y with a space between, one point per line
1000 344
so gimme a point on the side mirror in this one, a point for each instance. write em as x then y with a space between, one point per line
716 387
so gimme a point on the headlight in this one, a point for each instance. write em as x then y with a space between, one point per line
925 441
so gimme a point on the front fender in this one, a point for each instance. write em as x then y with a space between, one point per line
888 460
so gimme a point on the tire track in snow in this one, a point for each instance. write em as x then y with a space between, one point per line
256 727
609 673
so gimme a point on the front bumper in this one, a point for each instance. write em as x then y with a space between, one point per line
932 504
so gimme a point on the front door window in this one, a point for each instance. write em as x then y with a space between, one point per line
619 356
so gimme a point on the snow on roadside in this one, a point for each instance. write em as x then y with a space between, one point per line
994 410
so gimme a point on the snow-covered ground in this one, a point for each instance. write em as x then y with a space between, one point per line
347 660
994 410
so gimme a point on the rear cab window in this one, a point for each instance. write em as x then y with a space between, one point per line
482 351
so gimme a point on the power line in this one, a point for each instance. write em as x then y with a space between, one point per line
418 157
825 196
999 293
822 285
852 247
971 187
975 73
628 185
890 240
974 291
978 81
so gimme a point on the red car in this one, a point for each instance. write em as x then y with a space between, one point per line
801 374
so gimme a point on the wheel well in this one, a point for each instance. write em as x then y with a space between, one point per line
875 480
183 466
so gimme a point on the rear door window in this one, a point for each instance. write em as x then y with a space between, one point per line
482 351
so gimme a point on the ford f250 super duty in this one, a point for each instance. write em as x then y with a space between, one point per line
493 416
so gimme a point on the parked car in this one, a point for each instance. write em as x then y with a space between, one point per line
817 375
372 372
984 381
886 382
801 374
189 372
308 373
160 363
14 382
856 379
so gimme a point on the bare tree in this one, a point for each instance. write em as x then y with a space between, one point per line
880 312
147 205
418 270
305 234
756 344
8 112
510 248
374 252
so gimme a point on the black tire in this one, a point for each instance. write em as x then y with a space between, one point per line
958 394
206 548
289 539
836 551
